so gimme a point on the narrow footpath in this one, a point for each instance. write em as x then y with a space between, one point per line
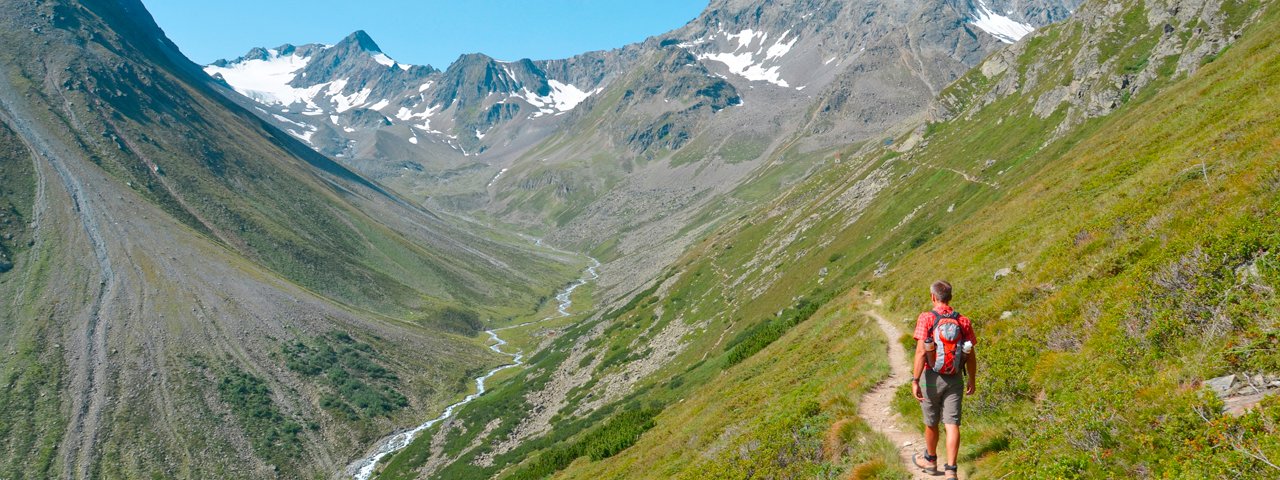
876 407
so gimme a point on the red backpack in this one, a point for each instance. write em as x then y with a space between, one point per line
947 336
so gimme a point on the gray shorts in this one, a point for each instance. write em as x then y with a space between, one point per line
943 395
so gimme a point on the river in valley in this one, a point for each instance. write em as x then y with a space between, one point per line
362 468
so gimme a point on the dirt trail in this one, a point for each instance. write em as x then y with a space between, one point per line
876 407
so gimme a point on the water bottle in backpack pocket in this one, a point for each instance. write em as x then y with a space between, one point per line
945 356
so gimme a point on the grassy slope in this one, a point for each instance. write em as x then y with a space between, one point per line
1130 291
882 220
212 394
31 374
269 197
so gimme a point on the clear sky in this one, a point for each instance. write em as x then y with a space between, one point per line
420 32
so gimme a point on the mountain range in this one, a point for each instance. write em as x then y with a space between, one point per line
630 144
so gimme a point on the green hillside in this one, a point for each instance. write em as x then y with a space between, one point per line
188 292
1135 216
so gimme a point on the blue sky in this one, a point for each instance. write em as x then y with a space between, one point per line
420 32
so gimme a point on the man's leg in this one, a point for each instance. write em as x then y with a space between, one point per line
931 439
953 443
929 407
952 400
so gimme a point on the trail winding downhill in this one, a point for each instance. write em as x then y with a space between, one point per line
362 469
876 407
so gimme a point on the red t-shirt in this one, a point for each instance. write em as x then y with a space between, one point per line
925 322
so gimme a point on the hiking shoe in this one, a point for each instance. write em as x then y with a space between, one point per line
926 463
952 472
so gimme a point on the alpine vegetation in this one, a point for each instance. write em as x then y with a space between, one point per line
788 239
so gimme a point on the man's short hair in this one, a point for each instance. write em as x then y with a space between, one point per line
941 289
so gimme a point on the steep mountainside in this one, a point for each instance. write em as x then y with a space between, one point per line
191 292
1103 194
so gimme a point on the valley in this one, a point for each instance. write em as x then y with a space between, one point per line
655 261
363 468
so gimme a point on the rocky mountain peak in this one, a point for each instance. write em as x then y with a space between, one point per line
360 39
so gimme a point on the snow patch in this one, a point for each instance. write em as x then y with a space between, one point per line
744 65
754 64
745 38
282 118
495 177
562 98
305 136
1005 29
266 81
406 114
426 127
383 59
413 140
380 105
779 49
347 102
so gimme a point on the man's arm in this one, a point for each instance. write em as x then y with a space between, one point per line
917 367
971 369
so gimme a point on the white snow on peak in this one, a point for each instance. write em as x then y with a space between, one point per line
265 81
380 105
1005 29
425 86
383 59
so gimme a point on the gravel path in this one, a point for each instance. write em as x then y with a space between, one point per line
876 407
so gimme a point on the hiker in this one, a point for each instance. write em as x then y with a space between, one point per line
944 358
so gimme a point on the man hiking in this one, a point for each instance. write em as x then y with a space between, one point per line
944 353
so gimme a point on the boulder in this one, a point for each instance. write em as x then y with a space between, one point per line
1221 385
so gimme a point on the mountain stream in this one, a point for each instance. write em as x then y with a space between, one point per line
362 468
